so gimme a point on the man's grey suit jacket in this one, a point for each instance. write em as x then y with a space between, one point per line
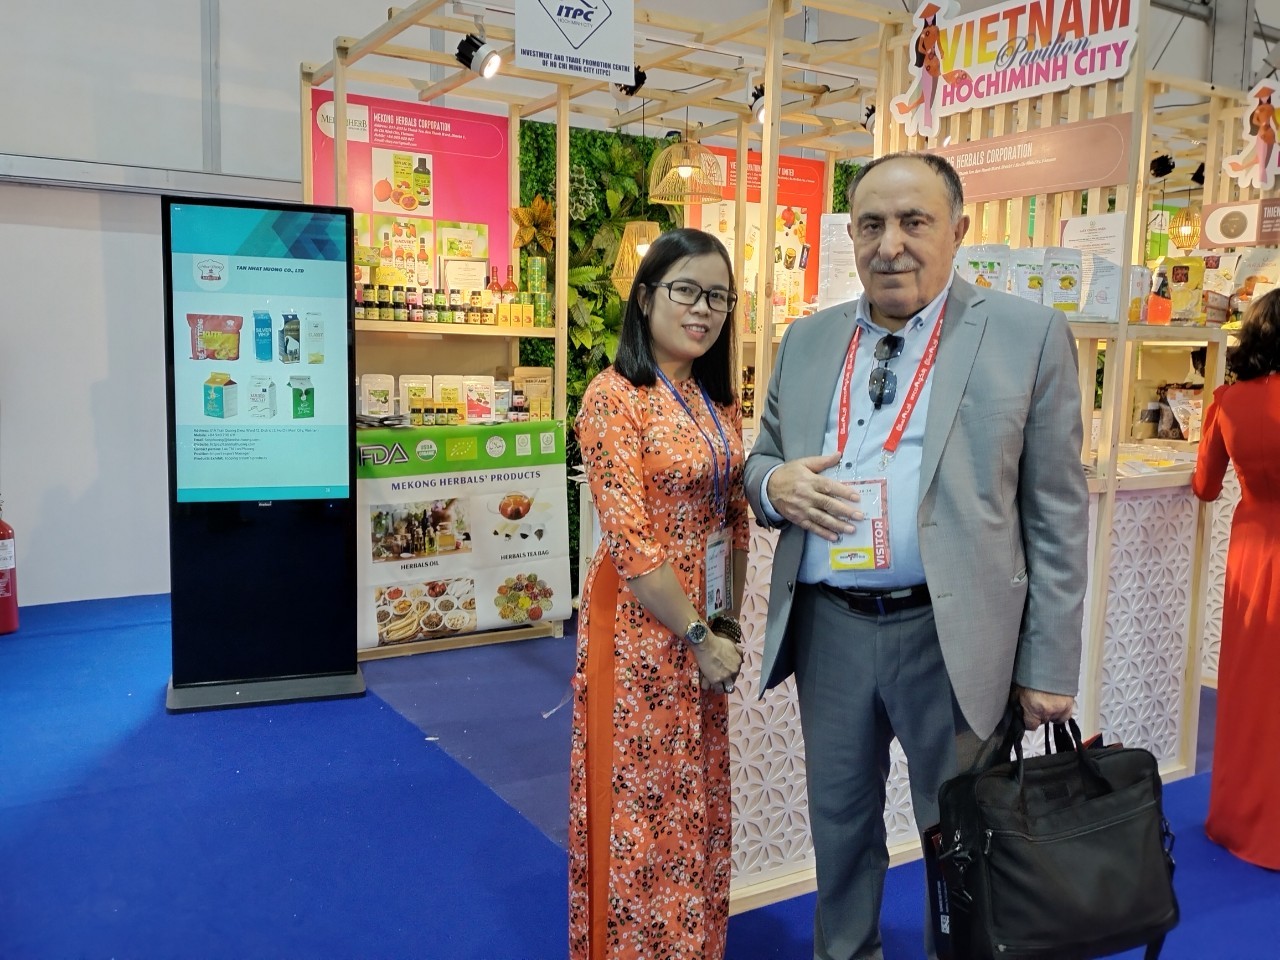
1003 514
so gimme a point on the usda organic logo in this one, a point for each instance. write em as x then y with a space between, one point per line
427 451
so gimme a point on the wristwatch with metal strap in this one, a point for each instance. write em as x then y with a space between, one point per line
696 632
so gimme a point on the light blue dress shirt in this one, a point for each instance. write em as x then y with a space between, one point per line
868 430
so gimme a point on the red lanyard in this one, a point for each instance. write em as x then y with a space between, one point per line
908 402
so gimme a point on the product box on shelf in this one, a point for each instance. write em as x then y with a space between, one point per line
262 397
220 396
304 398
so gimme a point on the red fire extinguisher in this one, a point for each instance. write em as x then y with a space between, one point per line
8 578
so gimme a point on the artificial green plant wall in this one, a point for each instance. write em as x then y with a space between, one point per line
608 183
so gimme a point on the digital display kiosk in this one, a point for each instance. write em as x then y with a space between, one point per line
261 400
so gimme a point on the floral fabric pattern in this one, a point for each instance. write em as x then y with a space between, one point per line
649 768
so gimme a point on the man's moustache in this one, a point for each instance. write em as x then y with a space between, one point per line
899 265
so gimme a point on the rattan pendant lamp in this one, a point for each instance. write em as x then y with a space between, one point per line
637 235
1184 227
685 173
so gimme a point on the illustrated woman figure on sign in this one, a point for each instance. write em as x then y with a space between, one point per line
918 112
1254 165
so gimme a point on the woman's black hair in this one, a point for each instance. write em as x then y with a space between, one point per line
931 22
714 369
1257 350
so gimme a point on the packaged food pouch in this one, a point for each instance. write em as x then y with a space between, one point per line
1186 289
1027 269
413 381
377 394
478 395
985 265
1062 279
450 398
215 336
1185 404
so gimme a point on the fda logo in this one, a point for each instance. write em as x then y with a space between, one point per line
378 455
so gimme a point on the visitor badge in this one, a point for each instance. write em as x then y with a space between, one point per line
719 573
867 548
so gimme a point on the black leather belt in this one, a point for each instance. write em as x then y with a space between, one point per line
879 602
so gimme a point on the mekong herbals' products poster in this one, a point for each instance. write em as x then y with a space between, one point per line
261 398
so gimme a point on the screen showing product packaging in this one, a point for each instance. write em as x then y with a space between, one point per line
259 308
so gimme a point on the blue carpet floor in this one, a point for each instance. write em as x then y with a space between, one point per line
424 820
329 829
485 707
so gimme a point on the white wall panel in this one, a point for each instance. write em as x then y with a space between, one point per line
82 404
258 63
115 82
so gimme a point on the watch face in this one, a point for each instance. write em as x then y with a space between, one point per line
696 633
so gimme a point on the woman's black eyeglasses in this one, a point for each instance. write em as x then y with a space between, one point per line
688 293
882 387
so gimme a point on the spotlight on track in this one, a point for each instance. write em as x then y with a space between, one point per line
476 54
1162 166
623 90
757 105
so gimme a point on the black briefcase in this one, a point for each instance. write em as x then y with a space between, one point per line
1066 856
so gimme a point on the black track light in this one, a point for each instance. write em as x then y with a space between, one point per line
623 90
476 54
757 104
1162 166
1198 176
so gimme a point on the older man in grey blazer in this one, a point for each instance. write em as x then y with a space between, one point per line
919 450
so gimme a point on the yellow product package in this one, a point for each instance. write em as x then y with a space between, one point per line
1186 288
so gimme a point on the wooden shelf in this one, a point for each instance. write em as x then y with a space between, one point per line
451 329
1177 332
1170 477
547 628
1094 330
1174 333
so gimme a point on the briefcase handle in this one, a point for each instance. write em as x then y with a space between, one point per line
1065 736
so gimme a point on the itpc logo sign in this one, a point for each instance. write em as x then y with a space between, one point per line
577 20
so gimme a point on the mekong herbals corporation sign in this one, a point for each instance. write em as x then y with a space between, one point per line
1010 51
578 38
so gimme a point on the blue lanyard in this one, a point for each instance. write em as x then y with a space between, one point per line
719 482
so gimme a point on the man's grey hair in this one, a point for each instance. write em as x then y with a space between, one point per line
939 165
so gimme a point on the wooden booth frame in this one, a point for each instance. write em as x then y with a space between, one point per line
1149 539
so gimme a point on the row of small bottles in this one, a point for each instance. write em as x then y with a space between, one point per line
409 302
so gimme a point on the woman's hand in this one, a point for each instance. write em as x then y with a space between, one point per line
719 662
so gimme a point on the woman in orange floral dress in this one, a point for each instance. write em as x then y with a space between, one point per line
650 834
